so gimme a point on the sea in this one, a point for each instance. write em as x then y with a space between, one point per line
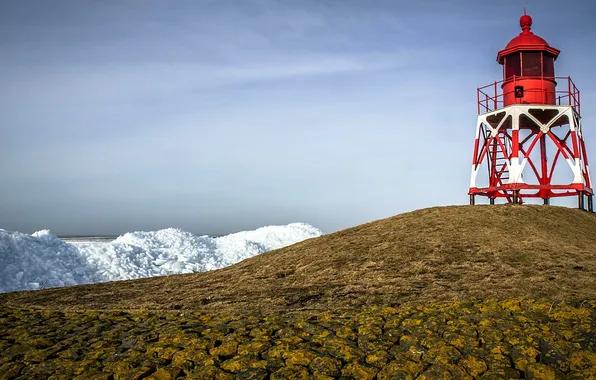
87 239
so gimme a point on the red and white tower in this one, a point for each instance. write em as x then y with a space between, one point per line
529 133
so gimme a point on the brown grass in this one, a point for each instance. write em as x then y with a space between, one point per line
432 255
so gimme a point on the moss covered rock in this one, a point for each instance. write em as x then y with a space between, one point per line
243 363
483 339
359 371
227 349
473 365
326 366
400 369
293 372
301 357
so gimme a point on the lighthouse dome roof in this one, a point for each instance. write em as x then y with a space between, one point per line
526 40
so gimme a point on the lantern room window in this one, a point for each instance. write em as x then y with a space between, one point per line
532 64
549 65
512 66
529 64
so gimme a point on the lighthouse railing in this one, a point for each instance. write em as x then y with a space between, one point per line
492 97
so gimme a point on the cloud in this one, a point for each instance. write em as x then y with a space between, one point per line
122 50
122 82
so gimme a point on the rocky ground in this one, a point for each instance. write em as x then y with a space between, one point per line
489 340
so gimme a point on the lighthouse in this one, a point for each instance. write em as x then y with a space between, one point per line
529 141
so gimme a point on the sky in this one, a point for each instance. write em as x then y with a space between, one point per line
221 116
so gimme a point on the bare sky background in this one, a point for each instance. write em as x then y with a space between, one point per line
218 116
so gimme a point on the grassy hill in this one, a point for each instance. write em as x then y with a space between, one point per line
432 255
484 292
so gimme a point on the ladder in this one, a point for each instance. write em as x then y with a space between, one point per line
498 165
498 169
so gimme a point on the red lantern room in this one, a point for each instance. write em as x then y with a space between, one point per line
529 138
528 68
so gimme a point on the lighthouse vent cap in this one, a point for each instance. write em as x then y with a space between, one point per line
525 22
